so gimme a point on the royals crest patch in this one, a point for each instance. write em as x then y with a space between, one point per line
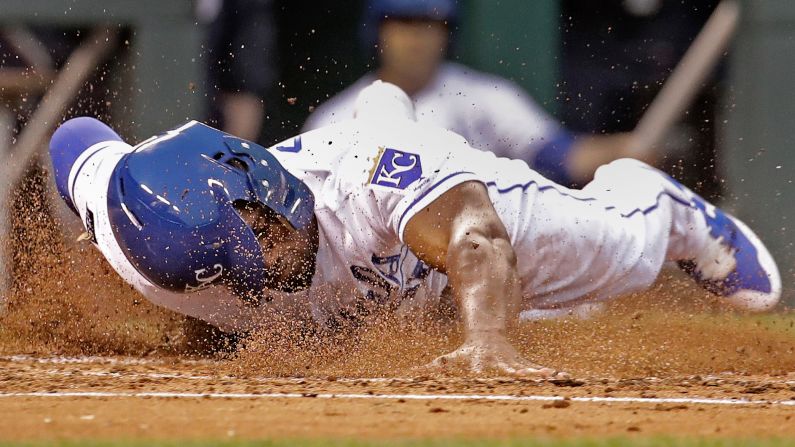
396 169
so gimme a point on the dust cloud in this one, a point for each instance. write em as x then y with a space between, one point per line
67 301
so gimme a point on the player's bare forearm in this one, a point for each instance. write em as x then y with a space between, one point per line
593 151
461 234
481 267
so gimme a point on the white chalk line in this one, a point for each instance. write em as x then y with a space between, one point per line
484 397
293 380
448 397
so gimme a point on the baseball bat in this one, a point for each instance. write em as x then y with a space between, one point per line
33 137
79 66
687 78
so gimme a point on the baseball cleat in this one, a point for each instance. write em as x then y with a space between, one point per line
734 263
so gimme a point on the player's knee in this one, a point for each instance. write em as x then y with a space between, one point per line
625 164
609 172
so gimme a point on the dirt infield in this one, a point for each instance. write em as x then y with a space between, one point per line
634 374
174 399
668 361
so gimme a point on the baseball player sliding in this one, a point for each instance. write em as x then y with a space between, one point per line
380 209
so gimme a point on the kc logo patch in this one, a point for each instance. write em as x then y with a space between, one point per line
397 169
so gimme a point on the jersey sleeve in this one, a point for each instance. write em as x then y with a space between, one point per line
448 175
405 175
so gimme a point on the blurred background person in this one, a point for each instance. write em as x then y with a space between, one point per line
412 38
242 63
265 58
615 56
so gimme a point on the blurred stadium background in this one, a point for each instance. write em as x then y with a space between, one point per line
154 76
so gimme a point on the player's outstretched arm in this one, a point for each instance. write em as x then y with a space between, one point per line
592 151
461 235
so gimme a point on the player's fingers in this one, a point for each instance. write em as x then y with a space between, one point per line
446 361
476 367
543 373
561 375
521 367
515 368
440 365
507 369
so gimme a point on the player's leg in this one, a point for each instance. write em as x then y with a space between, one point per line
716 249
578 247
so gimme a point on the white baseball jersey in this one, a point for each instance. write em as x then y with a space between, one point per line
491 113
371 176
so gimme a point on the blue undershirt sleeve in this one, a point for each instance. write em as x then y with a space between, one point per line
550 160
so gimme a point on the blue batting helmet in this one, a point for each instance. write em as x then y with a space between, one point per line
70 141
445 10
170 204
378 10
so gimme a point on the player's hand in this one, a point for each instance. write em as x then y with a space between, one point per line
492 354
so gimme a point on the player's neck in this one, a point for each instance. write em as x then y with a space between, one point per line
409 84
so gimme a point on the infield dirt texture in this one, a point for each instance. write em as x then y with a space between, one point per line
85 357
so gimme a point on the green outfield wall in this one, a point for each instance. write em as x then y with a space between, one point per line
160 66
517 39
759 144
